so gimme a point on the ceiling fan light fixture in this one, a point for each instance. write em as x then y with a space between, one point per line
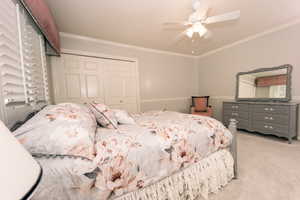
198 27
202 32
190 32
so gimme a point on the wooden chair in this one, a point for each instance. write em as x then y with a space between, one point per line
200 106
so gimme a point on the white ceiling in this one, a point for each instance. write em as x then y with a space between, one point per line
139 22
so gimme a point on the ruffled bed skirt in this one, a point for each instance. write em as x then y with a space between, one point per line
193 183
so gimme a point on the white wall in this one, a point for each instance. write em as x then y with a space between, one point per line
217 72
166 80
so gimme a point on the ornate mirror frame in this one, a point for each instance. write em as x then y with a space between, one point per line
288 88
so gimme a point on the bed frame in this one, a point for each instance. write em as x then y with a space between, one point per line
233 148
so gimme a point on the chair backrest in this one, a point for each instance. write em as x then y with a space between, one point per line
200 103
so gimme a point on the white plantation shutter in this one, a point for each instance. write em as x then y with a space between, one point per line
34 61
23 71
10 60
44 69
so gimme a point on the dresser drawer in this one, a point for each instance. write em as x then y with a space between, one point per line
271 118
267 118
236 107
236 114
269 128
271 109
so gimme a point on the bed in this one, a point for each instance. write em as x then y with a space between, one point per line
162 155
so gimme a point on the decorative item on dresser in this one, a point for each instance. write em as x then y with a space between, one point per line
263 102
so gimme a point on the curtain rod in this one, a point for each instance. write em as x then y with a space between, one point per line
107 58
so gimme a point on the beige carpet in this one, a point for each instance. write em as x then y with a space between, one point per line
269 169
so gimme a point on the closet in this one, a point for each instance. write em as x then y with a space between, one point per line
23 71
81 79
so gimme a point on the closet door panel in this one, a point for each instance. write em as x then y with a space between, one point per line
92 86
92 71
71 63
113 90
73 84
58 81
83 79
130 87
121 85
73 80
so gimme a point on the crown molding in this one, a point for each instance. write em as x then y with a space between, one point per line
99 55
96 40
253 37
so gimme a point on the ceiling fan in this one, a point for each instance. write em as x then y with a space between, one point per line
198 20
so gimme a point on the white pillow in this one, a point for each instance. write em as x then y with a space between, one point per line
123 117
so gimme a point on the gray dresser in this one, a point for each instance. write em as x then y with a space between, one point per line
278 119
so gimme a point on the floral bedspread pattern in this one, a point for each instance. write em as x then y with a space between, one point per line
160 144
65 129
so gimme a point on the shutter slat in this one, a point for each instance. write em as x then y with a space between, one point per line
8 39
13 58
11 68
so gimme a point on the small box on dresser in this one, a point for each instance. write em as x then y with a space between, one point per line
278 119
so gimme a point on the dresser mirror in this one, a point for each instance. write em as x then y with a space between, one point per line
266 84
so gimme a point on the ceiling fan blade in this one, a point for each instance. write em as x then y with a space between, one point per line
179 37
200 14
225 17
171 28
176 24
202 11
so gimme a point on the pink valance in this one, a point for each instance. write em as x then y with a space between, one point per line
43 17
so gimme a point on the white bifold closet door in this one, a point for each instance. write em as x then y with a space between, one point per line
120 85
83 79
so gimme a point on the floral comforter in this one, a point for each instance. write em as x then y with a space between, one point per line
161 143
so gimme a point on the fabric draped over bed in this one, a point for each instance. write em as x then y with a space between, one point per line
160 144
162 152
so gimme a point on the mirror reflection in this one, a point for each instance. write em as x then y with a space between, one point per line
267 84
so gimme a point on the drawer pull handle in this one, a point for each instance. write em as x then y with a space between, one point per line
266 109
269 118
268 127
271 109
